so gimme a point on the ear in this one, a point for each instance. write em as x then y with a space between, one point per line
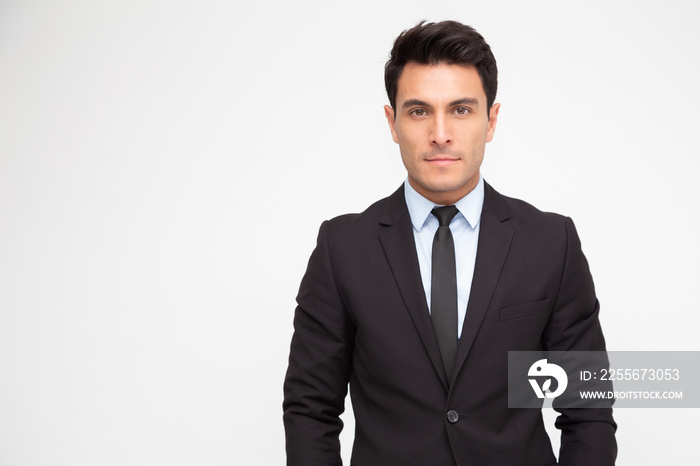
391 118
493 118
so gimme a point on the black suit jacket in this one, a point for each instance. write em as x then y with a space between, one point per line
362 318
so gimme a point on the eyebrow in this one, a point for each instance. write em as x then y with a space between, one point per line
412 102
465 100
421 103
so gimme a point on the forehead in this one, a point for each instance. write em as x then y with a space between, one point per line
441 81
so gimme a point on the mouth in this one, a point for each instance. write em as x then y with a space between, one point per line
442 160
442 156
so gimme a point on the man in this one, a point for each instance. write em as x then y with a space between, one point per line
416 307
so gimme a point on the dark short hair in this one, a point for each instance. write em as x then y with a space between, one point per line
446 42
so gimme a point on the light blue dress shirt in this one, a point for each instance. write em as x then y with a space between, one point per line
465 232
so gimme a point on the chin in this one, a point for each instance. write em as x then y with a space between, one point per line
446 186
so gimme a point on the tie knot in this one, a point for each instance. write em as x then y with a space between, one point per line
445 214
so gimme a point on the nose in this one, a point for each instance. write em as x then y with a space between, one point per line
440 132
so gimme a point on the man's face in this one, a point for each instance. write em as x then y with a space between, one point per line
442 126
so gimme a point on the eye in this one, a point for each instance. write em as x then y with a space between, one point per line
419 112
462 110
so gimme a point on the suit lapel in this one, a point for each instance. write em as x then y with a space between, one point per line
495 235
396 237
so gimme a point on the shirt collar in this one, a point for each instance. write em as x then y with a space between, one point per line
469 206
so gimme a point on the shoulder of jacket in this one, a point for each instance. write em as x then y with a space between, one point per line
371 215
520 210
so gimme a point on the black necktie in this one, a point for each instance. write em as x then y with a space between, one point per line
443 289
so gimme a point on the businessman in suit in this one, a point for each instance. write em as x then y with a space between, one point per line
415 302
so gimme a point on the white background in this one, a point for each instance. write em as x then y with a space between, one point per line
165 165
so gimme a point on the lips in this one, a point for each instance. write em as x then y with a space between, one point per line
442 156
441 160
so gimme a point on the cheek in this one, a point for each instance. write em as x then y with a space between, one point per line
409 157
479 138
408 141
408 133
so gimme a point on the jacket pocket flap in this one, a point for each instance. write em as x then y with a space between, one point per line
525 310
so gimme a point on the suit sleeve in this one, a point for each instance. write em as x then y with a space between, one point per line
587 435
319 365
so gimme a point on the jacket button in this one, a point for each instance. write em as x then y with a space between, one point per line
452 416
